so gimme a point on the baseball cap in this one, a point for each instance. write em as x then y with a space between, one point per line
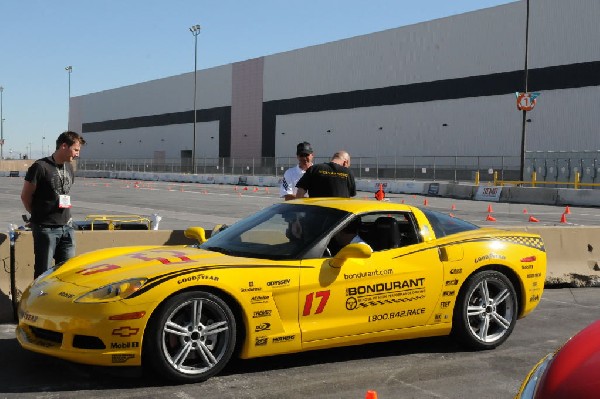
304 148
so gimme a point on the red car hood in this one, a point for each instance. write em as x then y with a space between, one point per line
575 370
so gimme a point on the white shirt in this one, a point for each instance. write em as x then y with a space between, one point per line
290 178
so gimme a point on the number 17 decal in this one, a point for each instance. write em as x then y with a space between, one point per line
324 295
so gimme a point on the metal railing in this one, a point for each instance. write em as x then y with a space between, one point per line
446 168
554 168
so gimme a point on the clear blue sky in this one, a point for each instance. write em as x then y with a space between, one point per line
114 43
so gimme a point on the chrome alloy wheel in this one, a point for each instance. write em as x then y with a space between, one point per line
196 335
490 310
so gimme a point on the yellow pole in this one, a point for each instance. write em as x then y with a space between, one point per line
533 178
495 178
477 178
577 180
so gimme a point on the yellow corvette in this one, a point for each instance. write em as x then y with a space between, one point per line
300 275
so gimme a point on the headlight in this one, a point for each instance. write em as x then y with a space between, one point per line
531 382
113 292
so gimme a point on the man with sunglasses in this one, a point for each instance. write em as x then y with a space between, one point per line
304 153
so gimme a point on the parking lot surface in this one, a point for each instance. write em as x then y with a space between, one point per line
422 368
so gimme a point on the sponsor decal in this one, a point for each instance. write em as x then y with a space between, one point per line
489 257
452 282
396 315
279 283
351 303
97 269
534 275
437 318
261 341
124 345
251 289
455 271
148 256
122 358
285 338
448 293
391 286
262 313
445 304
534 284
65 295
373 273
125 331
29 317
534 298
260 299
197 277
262 327
526 267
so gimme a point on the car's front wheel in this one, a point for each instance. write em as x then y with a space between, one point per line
190 338
486 310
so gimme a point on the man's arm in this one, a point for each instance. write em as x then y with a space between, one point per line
27 195
300 193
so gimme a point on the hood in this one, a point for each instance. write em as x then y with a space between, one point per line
115 264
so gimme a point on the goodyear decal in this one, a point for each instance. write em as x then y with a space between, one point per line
156 281
489 257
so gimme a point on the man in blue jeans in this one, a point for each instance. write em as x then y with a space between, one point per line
45 196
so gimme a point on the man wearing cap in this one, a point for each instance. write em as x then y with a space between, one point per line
304 153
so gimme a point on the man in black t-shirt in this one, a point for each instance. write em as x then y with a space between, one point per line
45 196
330 179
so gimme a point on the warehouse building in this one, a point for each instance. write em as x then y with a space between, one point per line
441 88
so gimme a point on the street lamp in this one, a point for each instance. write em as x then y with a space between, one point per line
43 138
195 31
526 76
69 69
1 125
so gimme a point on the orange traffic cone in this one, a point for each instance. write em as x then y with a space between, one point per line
371 395
402 201
524 210
567 210
255 189
453 207
533 220
245 188
425 203
563 218
490 210
490 218
380 195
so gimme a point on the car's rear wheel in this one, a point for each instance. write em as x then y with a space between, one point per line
486 310
190 338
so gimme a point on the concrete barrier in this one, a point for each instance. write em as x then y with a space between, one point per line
573 254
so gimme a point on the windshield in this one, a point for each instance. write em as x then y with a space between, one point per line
282 231
444 225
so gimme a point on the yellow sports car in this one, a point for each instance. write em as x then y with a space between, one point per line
300 275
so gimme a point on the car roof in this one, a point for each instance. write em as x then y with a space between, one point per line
355 205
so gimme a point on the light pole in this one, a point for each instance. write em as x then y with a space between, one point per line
195 31
69 69
43 138
526 76
1 125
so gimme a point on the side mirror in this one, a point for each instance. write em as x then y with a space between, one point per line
197 233
359 251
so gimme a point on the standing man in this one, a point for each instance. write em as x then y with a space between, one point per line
330 179
45 196
304 153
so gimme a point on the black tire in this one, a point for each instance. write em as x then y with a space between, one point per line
486 310
182 348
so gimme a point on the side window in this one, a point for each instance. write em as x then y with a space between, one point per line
388 230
